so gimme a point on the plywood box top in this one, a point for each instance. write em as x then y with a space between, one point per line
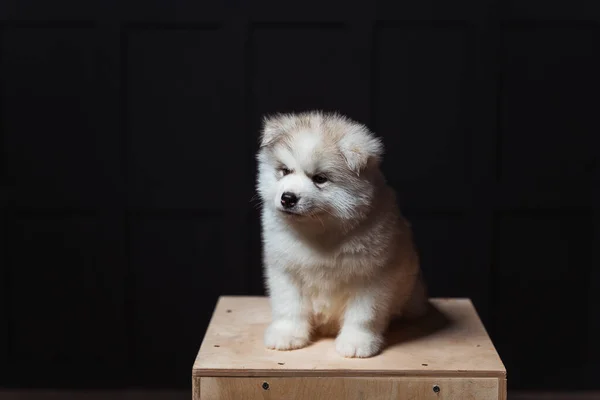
450 341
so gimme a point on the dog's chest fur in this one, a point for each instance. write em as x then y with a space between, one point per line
325 276
318 266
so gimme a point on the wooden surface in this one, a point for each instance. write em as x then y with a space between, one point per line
308 388
450 342
502 389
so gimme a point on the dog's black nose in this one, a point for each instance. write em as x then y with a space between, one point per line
288 200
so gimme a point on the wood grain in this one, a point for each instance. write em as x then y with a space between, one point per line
219 388
502 392
450 342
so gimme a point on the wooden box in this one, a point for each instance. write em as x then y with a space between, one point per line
446 355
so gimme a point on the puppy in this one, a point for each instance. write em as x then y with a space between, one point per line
339 258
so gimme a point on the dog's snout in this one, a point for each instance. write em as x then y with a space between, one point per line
289 200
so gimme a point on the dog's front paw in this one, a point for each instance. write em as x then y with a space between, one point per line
358 343
287 335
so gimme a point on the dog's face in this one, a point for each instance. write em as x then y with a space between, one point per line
317 165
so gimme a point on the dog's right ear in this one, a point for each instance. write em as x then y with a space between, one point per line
272 129
359 147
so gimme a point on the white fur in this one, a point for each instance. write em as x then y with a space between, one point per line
344 262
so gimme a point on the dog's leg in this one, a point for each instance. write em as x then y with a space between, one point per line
365 321
290 328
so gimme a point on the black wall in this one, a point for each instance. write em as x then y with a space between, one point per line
128 136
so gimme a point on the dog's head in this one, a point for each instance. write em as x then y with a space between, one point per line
317 165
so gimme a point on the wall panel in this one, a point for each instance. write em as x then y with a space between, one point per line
66 296
286 57
422 107
175 118
178 264
540 301
59 152
549 99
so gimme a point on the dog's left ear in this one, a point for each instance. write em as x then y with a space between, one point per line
272 129
360 147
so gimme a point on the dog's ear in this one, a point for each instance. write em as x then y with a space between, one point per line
272 129
360 147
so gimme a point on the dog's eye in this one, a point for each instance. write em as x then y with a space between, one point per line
319 179
285 171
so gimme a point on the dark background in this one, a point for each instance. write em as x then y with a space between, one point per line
128 133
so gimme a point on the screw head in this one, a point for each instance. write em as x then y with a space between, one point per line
265 385
436 389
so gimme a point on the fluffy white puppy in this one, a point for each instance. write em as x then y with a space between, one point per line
339 258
